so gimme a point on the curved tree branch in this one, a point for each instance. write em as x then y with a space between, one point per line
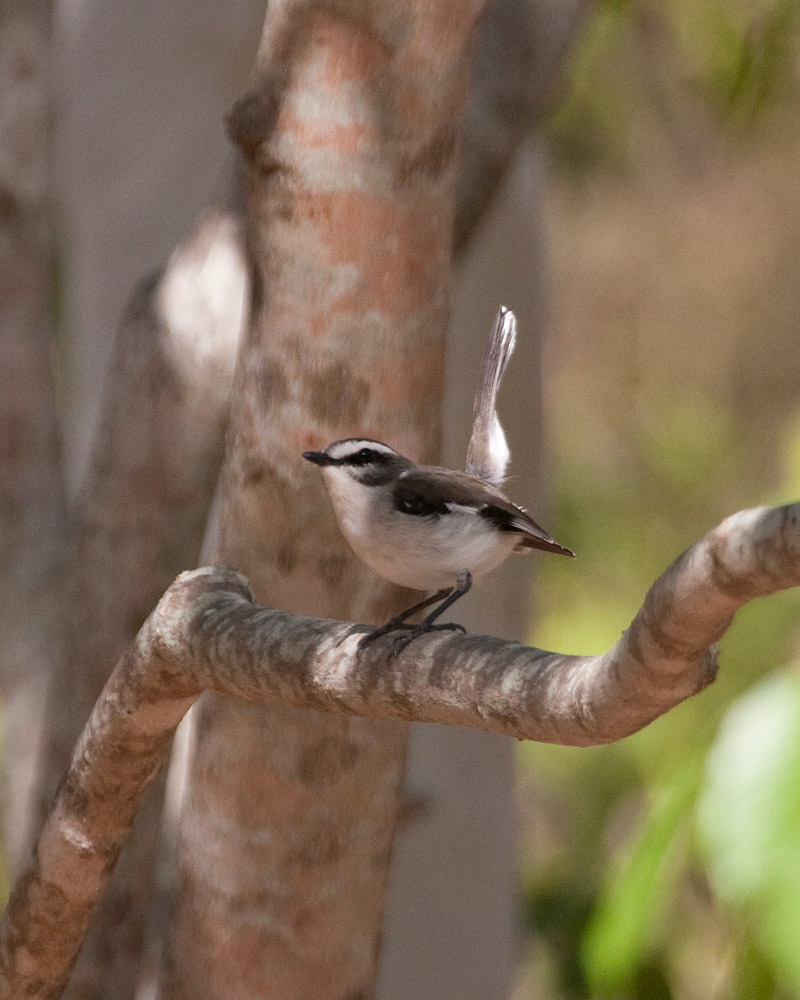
207 632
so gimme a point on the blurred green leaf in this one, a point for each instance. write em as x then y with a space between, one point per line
752 978
558 916
623 931
749 818
683 459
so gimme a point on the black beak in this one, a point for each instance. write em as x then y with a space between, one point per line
319 458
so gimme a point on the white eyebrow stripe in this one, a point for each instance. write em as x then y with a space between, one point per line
343 449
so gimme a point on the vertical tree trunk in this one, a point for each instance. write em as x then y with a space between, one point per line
32 505
350 139
139 521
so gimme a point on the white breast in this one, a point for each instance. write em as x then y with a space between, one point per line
423 553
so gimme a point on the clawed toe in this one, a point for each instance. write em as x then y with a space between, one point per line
402 635
382 630
399 642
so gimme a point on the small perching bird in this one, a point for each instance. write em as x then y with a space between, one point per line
430 528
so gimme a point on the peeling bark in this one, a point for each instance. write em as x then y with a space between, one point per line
207 632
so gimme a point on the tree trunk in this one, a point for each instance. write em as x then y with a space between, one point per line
350 140
32 504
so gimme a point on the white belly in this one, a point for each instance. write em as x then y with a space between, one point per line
423 553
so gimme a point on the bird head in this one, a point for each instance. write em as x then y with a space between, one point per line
362 460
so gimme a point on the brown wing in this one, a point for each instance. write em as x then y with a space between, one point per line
510 518
433 492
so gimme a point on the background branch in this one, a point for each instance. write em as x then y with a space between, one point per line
139 520
519 56
208 633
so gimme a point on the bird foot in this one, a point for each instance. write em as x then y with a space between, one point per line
371 632
402 634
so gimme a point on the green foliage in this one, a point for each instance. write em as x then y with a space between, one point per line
643 69
740 56
622 935
614 923
749 819
559 914
667 866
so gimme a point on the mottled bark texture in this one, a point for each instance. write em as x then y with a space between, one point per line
140 519
207 632
350 141
32 504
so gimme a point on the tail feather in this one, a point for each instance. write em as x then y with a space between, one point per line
544 545
488 454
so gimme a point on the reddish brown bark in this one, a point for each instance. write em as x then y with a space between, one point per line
350 142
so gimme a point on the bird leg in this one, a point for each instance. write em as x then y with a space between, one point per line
411 632
398 622
400 619
463 583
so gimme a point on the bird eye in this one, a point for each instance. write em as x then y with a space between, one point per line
366 455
